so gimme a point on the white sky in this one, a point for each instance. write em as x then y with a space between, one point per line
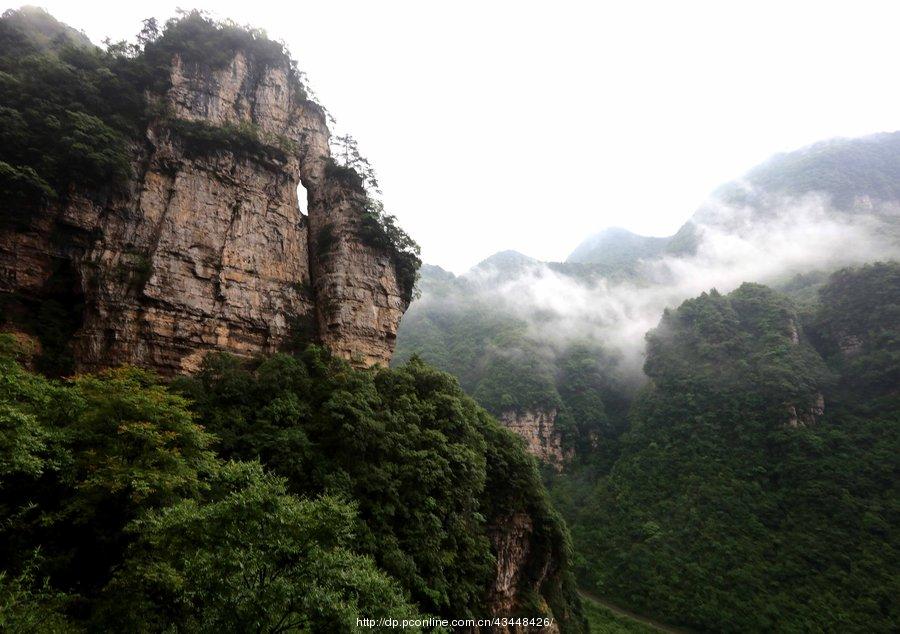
528 126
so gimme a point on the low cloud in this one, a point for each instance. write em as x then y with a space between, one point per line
737 244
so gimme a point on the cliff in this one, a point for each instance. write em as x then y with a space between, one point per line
205 247
155 226
538 429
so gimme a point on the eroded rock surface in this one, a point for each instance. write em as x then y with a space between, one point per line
208 250
520 570
538 429
805 416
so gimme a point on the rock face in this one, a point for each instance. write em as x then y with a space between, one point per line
209 250
512 544
518 566
806 416
538 429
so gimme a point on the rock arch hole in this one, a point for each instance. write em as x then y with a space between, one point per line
302 199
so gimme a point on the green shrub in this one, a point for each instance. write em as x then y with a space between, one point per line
22 186
200 40
381 231
344 174
69 111
244 140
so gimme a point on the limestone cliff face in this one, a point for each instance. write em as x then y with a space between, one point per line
359 300
209 250
804 416
512 540
512 544
808 412
538 429
522 570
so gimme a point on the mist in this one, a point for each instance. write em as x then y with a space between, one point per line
562 305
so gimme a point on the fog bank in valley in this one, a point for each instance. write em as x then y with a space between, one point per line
563 304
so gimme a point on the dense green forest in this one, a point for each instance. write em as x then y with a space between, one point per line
505 367
720 496
737 504
750 485
290 493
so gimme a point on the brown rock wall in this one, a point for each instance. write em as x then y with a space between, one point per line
210 251
538 429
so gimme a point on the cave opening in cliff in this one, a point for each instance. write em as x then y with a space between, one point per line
302 200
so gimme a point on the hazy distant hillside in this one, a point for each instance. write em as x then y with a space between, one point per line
845 175
42 30
503 266
617 247
850 175
785 223
850 171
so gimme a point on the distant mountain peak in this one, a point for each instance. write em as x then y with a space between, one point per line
845 169
43 30
505 259
617 247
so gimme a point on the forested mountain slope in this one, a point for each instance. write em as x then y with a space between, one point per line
757 486
508 327
150 216
560 396
292 492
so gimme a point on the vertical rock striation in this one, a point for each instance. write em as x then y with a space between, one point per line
520 572
207 248
538 429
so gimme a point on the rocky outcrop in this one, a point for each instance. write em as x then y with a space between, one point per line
806 416
512 544
207 248
520 570
538 429
850 344
359 299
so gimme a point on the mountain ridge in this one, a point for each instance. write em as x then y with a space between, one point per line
855 174
511 307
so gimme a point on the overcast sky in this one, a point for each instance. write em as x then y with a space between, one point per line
528 126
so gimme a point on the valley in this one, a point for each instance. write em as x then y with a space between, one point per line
233 397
